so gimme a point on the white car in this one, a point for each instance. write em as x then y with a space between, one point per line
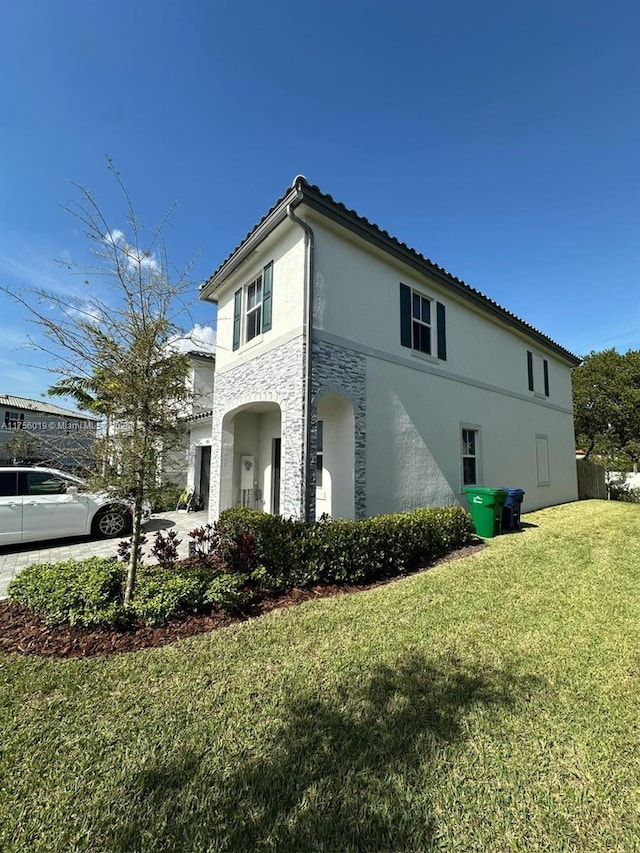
42 503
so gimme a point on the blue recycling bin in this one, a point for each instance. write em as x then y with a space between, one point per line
511 509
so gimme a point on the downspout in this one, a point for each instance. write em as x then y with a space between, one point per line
309 271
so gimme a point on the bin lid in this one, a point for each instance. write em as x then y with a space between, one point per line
483 490
514 492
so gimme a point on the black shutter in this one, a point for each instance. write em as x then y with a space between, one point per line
237 311
267 281
530 369
545 365
405 315
442 331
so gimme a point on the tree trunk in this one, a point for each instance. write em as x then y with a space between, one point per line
107 436
133 558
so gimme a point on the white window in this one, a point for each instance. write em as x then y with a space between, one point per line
542 460
254 308
252 304
470 442
319 453
538 374
421 323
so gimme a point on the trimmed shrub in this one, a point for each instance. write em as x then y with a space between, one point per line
228 591
291 553
161 594
276 545
383 546
87 593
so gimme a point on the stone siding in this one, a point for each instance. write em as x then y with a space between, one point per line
275 377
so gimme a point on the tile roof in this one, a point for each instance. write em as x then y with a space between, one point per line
199 353
302 192
11 402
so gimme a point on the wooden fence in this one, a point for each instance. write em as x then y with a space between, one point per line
591 482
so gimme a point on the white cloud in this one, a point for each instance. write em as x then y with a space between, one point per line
147 262
134 257
201 338
115 237
87 312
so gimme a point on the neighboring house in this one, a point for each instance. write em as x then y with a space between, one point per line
189 463
48 433
355 377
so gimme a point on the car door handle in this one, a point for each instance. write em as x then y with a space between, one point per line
11 503
31 503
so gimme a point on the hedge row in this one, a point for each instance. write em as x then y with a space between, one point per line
240 558
294 554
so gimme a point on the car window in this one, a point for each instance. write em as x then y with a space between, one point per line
8 484
41 483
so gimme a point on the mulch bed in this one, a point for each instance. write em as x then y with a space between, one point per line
23 632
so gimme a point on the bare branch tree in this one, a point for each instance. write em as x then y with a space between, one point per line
111 346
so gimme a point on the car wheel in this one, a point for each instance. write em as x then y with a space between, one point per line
112 521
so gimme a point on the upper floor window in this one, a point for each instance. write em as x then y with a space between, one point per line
421 326
252 304
417 331
538 374
254 308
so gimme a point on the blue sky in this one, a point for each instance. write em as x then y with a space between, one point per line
500 139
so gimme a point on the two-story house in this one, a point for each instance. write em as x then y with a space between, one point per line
354 376
185 458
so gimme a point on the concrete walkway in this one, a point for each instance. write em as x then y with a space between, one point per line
14 558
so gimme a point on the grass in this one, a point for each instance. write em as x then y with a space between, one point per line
489 704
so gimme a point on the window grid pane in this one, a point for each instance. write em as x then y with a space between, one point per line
416 306
254 308
421 328
469 471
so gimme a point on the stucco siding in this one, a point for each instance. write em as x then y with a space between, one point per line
414 456
285 248
357 298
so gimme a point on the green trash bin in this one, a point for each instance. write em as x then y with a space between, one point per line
486 509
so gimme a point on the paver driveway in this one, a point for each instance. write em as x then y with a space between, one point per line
14 558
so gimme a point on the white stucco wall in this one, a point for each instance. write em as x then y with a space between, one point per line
414 422
202 382
336 495
357 298
285 247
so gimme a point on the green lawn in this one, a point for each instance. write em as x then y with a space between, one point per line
490 704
